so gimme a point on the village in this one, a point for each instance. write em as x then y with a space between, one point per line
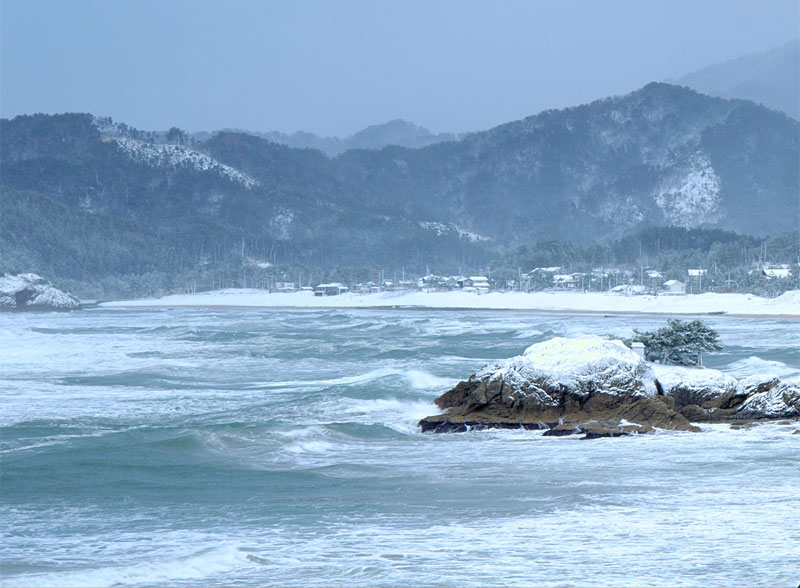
626 282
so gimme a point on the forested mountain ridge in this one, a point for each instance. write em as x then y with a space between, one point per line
658 156
80 203
82 199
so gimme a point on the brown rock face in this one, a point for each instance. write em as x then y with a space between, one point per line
491 403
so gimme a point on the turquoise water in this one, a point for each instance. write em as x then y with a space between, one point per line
275 447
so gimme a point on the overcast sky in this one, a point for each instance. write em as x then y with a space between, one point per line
334 67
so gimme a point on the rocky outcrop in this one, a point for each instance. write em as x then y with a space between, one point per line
600 388
32 292
779 400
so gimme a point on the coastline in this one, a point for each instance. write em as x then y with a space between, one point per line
786 306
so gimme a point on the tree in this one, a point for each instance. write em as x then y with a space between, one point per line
176 135
680 342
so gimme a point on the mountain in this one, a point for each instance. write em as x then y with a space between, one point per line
663 155
771 78
82 199
395 132
81 203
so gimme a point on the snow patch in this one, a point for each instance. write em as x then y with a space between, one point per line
693 198
157 155
448 228
672 376
281 224
623 210
581 364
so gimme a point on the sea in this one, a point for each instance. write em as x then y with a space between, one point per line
280 447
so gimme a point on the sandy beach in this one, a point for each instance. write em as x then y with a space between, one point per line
743 305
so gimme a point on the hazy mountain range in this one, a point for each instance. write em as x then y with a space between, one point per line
82 198
395 132
771 78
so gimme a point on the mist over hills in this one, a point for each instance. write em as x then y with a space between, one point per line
771 78
82 199
394 132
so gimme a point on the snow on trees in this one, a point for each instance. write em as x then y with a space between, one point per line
680 342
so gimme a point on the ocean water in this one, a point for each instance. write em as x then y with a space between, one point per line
280 447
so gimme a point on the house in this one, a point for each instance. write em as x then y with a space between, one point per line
362 287
332 289
480 283
695 282
565 282
629 290
433 283
776 272
473 282
674 287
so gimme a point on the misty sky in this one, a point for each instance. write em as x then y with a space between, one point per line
334 67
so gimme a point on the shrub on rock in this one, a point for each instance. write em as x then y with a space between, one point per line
680 342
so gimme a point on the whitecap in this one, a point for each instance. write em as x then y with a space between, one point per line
151 571
425 380
752 365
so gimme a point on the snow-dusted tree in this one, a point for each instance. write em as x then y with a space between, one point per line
680 342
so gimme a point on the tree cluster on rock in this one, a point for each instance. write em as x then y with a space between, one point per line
680 342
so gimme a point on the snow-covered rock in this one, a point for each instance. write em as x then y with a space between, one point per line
32 292
582 365
692 385
586 384
758 383
599 387
162 155
782 401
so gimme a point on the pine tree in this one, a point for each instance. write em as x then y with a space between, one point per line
680 342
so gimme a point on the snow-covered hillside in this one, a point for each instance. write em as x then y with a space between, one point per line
158 155
449 228
691 198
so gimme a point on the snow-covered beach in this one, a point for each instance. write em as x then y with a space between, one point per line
787 305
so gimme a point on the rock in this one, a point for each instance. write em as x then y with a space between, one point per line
694 413
780 401
600 388
759 383
693 385
742 426
587 385
598 429
31 292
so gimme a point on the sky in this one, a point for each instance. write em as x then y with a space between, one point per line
334 67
